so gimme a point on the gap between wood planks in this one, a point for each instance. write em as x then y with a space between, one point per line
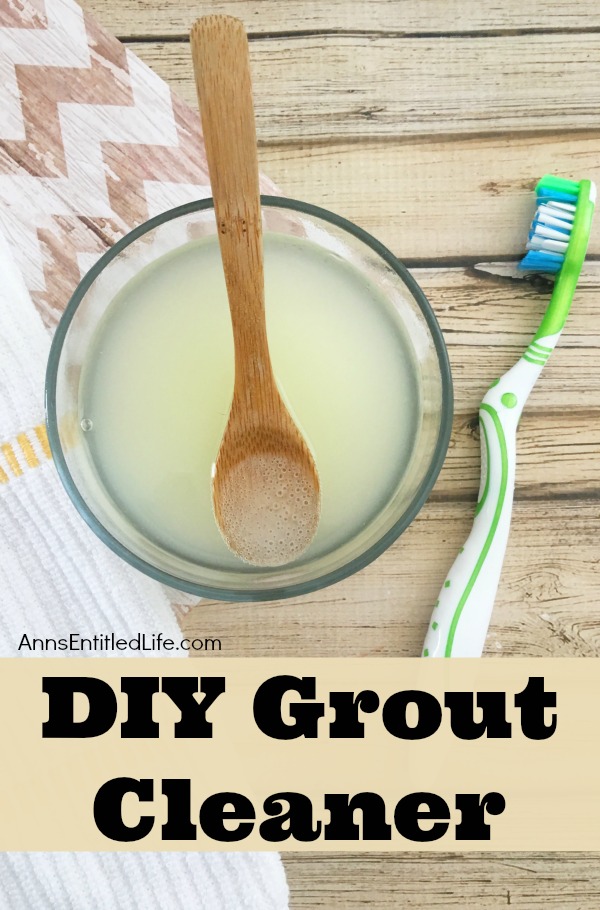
375 33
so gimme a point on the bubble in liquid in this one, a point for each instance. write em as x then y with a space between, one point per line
86 425
268 510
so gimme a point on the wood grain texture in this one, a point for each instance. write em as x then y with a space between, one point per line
360 86
138 18
548 602
488 320
434 146
450 198
526 881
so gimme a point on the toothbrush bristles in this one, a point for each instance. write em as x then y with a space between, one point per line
550 231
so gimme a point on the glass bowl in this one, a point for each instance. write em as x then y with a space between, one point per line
72 340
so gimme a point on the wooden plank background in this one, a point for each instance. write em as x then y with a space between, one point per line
428 122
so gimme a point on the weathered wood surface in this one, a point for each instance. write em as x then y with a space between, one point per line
434 145
548 602
531 881
142 18
364 86
451 199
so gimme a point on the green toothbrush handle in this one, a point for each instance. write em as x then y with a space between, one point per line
462 613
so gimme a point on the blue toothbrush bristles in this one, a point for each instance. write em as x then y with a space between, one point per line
550 230
541 261
556 196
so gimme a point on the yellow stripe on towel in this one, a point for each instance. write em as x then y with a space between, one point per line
32 444
27 449
40 432
11 459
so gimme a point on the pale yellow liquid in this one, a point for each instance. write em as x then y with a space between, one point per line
158 382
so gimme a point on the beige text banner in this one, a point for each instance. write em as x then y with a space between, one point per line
162 766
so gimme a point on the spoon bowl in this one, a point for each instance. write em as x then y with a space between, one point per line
267 501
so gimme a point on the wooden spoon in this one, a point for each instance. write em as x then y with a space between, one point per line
266 494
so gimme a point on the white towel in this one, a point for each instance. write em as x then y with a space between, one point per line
57 578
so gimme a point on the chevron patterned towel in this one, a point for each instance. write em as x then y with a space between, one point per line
91 143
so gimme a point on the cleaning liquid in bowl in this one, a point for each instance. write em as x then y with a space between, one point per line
158 380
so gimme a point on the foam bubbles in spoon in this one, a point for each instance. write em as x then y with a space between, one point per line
268 509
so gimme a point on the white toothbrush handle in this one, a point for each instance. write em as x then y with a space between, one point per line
461 616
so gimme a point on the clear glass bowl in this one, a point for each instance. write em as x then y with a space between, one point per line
98 288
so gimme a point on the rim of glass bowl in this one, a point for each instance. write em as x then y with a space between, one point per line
297 588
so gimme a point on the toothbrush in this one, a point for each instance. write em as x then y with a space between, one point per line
557 244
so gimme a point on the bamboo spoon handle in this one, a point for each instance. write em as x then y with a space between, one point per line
222 69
